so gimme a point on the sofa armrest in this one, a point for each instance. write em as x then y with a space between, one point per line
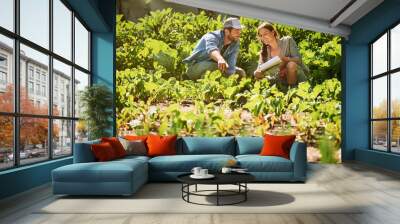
298 155
83 152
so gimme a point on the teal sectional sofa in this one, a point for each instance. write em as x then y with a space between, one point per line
125 176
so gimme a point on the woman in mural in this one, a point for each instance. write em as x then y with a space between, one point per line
290 71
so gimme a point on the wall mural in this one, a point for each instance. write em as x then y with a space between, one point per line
192 72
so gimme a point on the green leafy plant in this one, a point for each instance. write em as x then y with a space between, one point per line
153 95
96 101
328 149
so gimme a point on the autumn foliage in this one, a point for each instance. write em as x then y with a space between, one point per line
380 127
33 130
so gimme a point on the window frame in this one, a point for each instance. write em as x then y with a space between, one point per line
16 114
388 74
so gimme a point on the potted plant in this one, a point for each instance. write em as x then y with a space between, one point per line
96 104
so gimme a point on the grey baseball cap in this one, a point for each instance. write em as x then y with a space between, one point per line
233 22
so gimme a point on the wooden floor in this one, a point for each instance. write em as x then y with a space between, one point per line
377 188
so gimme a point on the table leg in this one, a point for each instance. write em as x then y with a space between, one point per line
182 189
217 194
188 190
196 188
245 193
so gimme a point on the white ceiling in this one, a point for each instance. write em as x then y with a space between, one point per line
314 15
324 9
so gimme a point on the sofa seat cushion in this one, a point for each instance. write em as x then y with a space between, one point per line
185 163
134 157
257 163
112 171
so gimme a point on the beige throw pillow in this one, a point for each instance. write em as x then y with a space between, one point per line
136 147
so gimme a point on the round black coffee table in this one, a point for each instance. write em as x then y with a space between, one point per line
238 179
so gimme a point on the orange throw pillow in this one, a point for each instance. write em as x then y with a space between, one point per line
277 145
116 145
135 138
161 145
103 152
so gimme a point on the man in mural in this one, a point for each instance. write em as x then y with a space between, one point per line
217 50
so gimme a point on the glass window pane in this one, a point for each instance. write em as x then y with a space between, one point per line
395 136
379 135
379 97
81 131
81 81
6 142
33 140
62 29
7 14
379 55
395 94
6 74
81 45
395 47
62 138
62 89
34 80
35 21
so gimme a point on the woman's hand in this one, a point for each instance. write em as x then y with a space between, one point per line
258 74
284 59
283 69
283 72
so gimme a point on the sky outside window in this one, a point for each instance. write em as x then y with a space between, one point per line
81 45
379 56
35 21
7 14
62 29
395 47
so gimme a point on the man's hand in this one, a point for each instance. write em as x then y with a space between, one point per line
216 56
222 65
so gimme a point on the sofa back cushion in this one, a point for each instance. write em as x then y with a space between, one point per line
208 145
249 145
83 152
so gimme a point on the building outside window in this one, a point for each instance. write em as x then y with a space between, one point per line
38 89
30 72
3 61
30 87
55 95
3 72
3 81
43 90
37 75
3 78
43 78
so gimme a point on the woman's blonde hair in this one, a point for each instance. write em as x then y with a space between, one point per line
264 49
